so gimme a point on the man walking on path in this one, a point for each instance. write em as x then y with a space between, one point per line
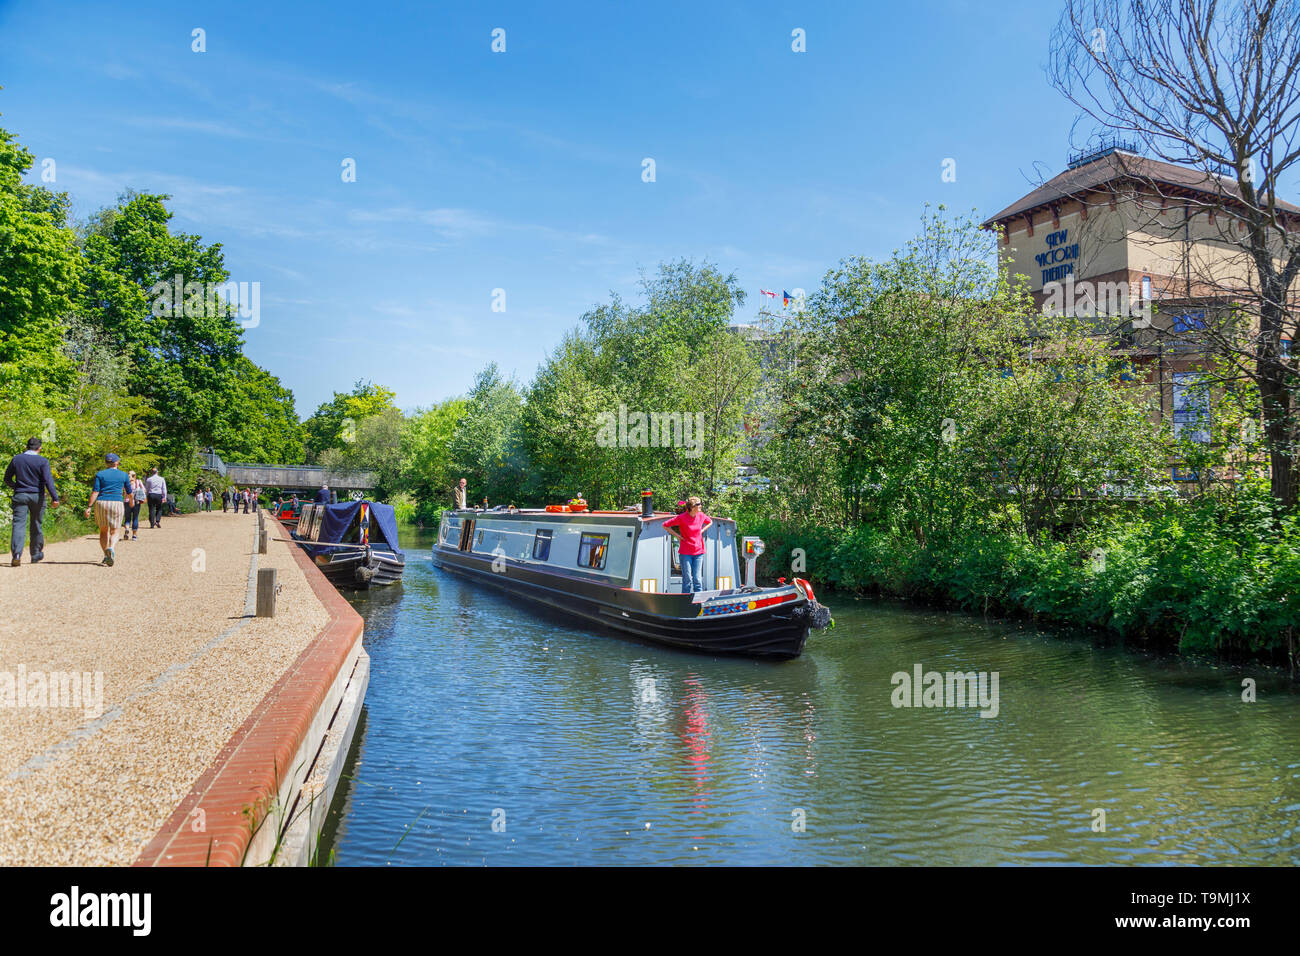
225 501
108 497
155 487
28 475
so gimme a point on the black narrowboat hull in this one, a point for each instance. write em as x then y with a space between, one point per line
777 631
361 570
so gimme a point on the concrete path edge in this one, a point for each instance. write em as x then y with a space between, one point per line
263 799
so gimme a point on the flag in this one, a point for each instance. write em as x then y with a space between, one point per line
786 298
766 293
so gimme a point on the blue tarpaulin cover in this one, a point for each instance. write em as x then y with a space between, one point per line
339 518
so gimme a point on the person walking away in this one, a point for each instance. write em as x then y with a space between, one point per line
225 501
28 476
459 494
155 487
248 494
108 497
131 513
689 528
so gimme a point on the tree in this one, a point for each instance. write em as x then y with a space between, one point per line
265 426
334 423
426 469
39 269
182 350
922 394
487 446
1211 86
376 447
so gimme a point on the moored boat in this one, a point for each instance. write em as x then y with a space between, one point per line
620 569
288 513
354 543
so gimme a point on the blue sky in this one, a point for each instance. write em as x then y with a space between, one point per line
522 170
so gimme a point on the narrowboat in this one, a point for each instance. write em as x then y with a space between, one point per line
354 543
288 513
620 569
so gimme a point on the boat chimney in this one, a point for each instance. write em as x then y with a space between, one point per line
647 504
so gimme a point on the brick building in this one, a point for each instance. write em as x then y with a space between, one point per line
1154 252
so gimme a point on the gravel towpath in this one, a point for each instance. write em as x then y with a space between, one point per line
89 779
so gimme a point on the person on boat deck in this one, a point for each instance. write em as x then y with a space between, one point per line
458 494
323 496
689 528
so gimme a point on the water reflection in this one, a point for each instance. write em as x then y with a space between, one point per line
602 750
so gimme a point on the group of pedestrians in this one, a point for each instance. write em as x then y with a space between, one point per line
116 499
232 498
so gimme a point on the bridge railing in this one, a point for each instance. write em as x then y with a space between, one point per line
212 462
286 476
297 476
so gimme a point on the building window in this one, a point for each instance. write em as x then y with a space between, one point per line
1191 408
1189 321
542 545
592 551
1146 288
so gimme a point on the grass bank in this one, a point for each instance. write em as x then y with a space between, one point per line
1185 577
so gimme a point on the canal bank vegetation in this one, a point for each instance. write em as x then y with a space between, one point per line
934 437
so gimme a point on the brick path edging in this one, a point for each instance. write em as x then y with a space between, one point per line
239 788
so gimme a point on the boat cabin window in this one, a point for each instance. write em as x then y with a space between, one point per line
592 551
542 545
674 545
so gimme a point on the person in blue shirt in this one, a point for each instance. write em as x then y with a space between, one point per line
108 498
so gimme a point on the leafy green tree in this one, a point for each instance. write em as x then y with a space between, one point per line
922 393
182 349
264 425
487 447
676 358
376 446
39 270
334 423
426 468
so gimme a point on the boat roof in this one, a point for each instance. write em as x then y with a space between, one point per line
339 517
563 515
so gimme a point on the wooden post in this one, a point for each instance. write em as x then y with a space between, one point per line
261 541
266 589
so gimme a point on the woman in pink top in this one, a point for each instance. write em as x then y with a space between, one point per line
688 528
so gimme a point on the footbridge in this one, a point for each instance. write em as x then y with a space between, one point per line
289 478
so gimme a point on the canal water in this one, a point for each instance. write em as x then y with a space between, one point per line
493 734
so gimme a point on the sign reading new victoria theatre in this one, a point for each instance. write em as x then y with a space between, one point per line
1059 259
